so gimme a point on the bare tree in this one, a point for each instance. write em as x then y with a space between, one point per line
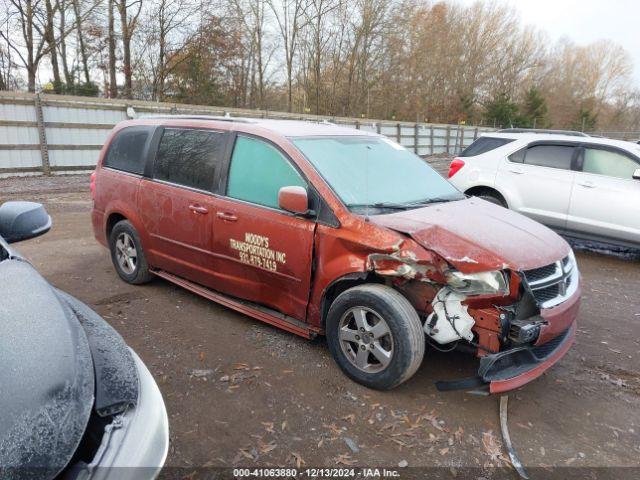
31 20
291 18
111 39
81 40
129 13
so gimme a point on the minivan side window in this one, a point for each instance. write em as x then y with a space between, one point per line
554 156
127 150
484 145
189 157
609 163
258 171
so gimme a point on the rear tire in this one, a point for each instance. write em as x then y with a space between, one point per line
127 254
375 336
494 198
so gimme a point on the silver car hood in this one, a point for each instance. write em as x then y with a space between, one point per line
46 379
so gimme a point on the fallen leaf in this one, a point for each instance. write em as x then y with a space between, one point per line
493 448
344 459
297 459
246 453
334 428
350 418
267 447
268 426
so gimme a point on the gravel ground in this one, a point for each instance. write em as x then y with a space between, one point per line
241 393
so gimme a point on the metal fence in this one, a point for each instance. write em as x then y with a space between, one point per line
55 134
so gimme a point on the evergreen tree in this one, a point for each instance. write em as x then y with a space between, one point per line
585 121
503 112
534 109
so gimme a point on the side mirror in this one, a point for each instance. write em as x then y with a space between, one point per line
636 174
23 220
294 199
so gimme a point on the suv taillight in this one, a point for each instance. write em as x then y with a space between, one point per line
456 165
92 185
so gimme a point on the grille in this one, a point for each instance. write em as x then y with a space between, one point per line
540 273
552 284
547 293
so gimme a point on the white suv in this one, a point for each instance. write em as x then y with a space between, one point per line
581 186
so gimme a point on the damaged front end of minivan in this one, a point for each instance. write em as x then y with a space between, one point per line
517 321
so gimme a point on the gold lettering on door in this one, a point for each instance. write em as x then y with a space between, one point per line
254 250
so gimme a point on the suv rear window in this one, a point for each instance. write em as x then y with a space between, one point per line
554 156
127 150
484 145
189 157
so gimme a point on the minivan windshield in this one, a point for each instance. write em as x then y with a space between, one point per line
375 173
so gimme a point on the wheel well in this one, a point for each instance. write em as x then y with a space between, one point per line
111 222
342 284
477 191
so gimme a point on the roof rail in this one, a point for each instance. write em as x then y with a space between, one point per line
217 118
571 133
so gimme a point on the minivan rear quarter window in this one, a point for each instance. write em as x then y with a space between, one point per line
189 157
127 151
484 145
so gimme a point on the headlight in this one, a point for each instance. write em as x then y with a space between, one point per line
483 283
569 262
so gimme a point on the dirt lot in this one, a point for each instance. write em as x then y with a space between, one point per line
239 392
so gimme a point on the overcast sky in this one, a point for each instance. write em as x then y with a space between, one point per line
585 21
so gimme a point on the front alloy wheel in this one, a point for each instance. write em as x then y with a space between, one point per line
365 339
375 335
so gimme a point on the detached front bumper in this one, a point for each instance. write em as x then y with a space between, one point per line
513 368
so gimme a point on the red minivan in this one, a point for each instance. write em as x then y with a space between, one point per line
320 229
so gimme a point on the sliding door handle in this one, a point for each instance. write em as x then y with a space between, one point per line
195 208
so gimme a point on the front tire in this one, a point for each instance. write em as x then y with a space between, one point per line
375 336
127 254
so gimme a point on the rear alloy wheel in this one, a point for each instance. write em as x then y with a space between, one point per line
375 336
127 255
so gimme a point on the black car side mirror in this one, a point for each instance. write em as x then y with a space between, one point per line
23 220
636 174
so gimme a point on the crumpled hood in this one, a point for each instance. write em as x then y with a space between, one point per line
475 235
46 379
